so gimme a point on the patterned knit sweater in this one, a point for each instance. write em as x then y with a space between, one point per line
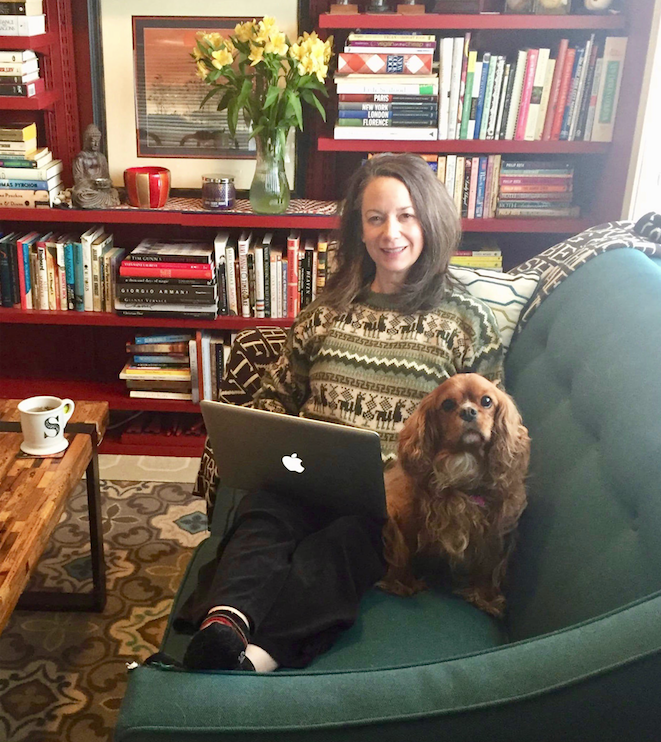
370 366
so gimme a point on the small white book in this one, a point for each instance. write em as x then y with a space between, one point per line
536 95
392 133
22 25
86 240
243 244
609 88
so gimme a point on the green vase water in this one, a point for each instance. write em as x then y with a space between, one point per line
269 192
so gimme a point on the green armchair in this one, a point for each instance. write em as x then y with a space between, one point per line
579 656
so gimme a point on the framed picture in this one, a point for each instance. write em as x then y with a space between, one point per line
147 94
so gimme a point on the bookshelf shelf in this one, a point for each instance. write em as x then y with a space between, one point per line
460 21
187 212
114 393
41 102
39 43
464 146
107 319
154 445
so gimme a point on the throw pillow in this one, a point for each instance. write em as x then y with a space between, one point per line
505 295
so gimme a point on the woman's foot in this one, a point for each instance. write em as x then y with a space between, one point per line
220 643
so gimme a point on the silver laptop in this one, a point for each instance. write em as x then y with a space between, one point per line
323 464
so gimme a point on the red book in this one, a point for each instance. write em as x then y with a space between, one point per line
293 298
127 268
535 189
385 98
555 88
565 84
506 180
526 94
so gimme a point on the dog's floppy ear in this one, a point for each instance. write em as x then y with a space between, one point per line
420 438
510 449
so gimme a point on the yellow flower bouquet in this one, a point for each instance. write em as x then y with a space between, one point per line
257 71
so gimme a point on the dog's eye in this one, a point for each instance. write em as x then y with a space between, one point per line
486 401
448 405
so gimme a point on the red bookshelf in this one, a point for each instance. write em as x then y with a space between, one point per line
459 21
153 445
37 43
464 146
114 393
40 102
106 319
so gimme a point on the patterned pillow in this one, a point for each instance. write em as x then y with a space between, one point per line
505 295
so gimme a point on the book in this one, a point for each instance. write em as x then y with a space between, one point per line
42 271
22 7
615 49
515 98
561 212
479 110
203 271
243 245
184 294
589 60
526 93
18 132
169 338
146 394
563 92
475 99
496 97
544 103
100 244
27 198
162 308
20 55
455 85
18 68
579 61
24 90
387 85
488 96
535 103
150 250
23 246
377 62
22 25
32 160
384 119
18 147
31 185
387 98
400 133
146 373
293 300
230 260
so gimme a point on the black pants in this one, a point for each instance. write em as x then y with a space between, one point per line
298 574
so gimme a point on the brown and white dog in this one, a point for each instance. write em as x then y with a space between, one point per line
457 490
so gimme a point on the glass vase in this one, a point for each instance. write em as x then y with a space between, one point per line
269 191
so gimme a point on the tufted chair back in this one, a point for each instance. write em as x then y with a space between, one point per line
586 374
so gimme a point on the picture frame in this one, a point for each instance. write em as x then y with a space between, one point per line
118 51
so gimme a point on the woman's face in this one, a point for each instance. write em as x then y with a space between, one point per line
391 232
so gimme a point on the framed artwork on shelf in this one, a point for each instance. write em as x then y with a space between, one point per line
147 96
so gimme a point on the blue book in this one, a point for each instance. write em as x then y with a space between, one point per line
26 243
146 339
161 360
70 274
78 277
483 90
571 98
31 185
481 187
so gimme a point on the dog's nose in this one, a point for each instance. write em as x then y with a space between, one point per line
469 414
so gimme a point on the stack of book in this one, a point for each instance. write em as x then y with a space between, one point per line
478 252
386 88
58 272
22 18
259 278
162 279
29 176
19 72
536 189
161 367
535 96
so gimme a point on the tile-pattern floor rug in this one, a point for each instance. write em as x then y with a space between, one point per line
63 675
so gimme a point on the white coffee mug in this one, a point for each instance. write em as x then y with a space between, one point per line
43 420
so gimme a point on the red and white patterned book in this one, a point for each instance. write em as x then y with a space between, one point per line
384 64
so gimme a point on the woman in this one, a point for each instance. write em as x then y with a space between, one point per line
388 329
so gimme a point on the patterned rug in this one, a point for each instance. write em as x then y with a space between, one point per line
63 675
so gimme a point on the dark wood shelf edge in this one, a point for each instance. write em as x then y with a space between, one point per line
460 21
107 319
463 146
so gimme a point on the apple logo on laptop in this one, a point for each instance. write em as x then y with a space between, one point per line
293 463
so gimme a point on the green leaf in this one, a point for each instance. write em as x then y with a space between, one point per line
212 92
246 89
272 95
295 104
319 107
232 116
224 101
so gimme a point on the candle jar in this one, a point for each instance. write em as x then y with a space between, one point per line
218 191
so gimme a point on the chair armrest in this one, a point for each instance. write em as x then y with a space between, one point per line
574 684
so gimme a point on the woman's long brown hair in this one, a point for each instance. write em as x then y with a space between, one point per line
354 271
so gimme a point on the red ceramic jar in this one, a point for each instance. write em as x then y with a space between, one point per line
147 187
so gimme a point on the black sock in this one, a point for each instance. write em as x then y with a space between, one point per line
220 643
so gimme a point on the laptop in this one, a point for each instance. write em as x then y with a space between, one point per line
322 464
